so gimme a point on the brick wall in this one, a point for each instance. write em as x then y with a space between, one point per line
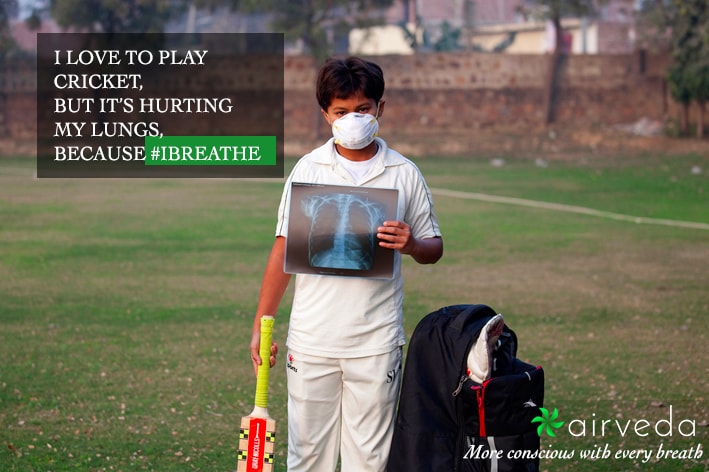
18 113
461 90
449 96
455 98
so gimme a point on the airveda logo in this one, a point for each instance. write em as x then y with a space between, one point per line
668 426
548 423
595 427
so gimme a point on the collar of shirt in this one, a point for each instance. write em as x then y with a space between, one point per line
383 158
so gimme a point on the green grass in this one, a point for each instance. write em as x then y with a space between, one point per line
126 306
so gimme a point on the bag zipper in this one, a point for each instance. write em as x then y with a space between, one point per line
460 385
457 463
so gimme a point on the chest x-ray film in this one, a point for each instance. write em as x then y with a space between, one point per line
332 230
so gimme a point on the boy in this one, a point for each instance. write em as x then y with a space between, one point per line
345 334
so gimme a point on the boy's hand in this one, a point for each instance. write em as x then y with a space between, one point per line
396 235
255 357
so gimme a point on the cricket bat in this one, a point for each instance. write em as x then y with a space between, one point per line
257 433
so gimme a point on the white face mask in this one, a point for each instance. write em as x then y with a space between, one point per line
355 130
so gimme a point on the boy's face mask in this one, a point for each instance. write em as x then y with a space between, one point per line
355 130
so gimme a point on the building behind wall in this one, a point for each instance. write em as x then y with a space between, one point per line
507 26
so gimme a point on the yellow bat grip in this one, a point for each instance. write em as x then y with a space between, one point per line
261 399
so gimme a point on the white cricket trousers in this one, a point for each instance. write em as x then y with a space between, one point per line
342 407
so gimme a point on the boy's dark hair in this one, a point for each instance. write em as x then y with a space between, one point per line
343 78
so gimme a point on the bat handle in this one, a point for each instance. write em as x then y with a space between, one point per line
262 373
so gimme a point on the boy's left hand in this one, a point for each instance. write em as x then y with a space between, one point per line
396 235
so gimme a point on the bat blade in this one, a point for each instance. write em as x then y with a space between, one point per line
257 432
257 438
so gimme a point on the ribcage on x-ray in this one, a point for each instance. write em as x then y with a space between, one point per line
343 230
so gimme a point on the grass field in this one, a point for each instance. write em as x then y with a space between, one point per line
126 308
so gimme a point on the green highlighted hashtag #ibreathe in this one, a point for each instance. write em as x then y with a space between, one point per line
210 151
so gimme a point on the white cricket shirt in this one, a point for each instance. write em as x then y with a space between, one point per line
347 317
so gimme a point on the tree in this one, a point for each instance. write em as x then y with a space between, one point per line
34 21
317 23
699 90
652 27
8 10
688 42
690 52
679 90
449 38
115 16
554 11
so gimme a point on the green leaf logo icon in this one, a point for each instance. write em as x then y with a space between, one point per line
548 423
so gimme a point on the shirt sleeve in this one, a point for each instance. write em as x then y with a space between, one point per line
284 209
420 213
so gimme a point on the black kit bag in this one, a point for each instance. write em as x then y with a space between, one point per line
446 422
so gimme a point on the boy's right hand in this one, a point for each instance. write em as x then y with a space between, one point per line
254 347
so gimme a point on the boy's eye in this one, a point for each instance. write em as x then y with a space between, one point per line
362 110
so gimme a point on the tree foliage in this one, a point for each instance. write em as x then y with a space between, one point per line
653 28
554 11
8 10
449 38
318 23
115 16
687 24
